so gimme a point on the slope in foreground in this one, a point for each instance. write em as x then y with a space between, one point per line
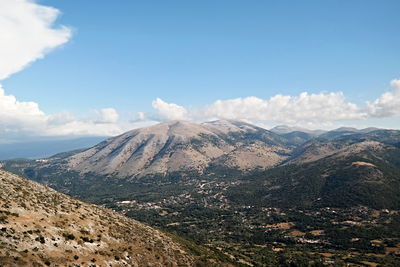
40 227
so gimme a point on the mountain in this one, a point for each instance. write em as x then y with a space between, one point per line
45 148
178 146
351 142
299 135
346 131
180 152
347 172
40 227
355 130
259 198
297 138
284 129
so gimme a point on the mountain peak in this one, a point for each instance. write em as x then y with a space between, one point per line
183 129
176 123
285 129
345 129
178 145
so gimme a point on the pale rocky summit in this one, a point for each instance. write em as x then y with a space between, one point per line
40 227
181 146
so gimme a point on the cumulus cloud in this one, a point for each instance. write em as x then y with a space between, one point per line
302 109
81 127
66 124
17 117
169 111
107 115
21 119
308 110
305 109
285 109
27 34
388 104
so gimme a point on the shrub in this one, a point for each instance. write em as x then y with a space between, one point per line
86 239
68 236
3 219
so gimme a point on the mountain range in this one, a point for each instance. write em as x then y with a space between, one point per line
248 184
181 149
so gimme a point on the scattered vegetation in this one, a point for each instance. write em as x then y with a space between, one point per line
340 209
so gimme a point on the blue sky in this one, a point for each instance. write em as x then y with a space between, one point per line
126 54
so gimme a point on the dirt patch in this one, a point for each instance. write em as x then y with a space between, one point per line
283 225
296 233
362 163
317 232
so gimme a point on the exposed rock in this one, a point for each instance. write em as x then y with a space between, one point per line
40 227
181 146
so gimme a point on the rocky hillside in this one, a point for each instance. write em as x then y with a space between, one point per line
349 170
182 146
40 227
284 129
293 166
258 198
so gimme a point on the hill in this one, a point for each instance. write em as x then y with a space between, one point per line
284 129
41 227
331 174
260 198
181 146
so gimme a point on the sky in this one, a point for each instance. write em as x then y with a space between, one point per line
82 68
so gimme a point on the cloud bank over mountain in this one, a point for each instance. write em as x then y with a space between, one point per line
304 109
19 119
28 32
388 104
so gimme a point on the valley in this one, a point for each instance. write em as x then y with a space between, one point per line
329 199
199 133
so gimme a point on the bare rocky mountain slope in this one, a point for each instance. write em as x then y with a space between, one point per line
40 227
182 146
236 183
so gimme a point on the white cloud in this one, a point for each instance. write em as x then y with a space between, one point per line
107 115
140 116
80 127
27 34
66 124
169 111
388 104
323 110
19 117
305 108
285 109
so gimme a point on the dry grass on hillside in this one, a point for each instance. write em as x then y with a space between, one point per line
40 227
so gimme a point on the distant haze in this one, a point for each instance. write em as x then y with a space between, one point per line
45 148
